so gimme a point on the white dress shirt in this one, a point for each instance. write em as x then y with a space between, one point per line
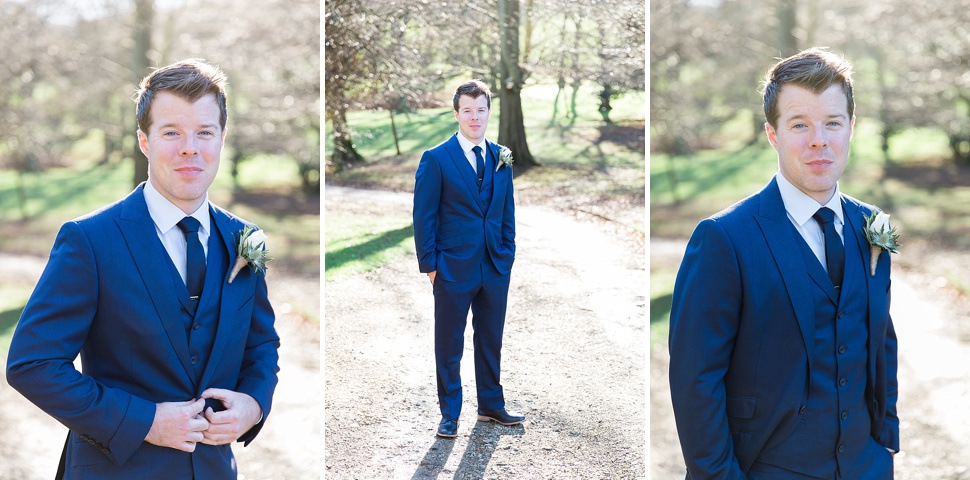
800 208
166 216
467 146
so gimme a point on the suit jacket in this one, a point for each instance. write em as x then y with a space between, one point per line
108 294
452 231
742 326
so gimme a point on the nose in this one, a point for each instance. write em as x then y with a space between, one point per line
189 147
819 139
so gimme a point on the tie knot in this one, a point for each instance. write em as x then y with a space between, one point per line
189 225
477 150
824 215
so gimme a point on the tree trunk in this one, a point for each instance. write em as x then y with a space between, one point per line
344 153
787 23
144 11
511 126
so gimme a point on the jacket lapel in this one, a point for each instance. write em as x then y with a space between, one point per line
499 182
150 259
227 227
780 238
464 169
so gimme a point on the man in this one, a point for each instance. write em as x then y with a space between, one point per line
177 363
781 367
464 235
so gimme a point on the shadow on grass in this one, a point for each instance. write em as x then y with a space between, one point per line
364 251
46 192
693 182
8 321
660 308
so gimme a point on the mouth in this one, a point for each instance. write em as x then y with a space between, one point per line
188 170
820 163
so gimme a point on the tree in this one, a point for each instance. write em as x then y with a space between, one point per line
511 129
144 14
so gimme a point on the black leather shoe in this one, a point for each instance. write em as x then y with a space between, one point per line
500 416
448 428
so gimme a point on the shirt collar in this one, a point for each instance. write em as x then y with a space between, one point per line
467 145
801 207
166 215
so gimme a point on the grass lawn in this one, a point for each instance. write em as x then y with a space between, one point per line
587 167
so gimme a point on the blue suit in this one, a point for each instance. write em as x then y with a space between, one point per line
467 235
755 329
111 293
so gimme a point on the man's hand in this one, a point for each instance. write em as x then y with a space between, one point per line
241 413
178 425
431 276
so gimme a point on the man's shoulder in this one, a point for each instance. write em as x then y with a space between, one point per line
112 210
866 208
440 148
225 216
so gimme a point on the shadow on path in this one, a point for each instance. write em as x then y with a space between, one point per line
482 442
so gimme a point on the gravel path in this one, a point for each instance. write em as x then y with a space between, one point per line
288 447
934 381
573 361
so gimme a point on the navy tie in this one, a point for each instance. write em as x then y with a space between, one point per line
194 256
834 250
479 164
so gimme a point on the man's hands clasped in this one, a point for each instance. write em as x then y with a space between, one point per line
183 425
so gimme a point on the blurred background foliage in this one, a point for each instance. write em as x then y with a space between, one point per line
69 69
708 57
408 54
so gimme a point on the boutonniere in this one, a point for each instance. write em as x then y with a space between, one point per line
250 250
504 158
881 236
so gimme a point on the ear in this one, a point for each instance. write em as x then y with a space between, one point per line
143 142
456 114
772 135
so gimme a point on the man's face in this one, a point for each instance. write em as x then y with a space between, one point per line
472 116
183 146
812 138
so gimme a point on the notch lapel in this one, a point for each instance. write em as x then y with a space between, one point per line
779 235
499 183
464 169
150 259
227 227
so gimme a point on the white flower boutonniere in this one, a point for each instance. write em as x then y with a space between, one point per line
250 250
504 158
881 236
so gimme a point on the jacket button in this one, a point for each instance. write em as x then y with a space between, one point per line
802 410
194 360
841 314
845 415
843 382
841 447
196 326
842 350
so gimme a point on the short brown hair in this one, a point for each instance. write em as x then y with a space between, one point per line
474 89
189 79
815 69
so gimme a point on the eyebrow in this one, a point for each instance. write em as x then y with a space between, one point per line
174 125
803 116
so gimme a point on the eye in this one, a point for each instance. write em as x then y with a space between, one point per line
206 133
170 133
799 126
834 124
